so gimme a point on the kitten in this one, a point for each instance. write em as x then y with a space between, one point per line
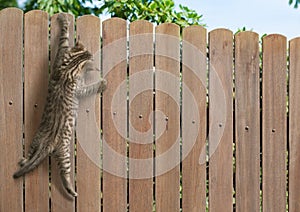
65 88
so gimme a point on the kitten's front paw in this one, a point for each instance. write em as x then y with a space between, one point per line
102 86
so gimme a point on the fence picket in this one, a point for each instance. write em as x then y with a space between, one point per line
294 126
274 123
194 77
11 108
60 201
141 110
247 121
88 162
36 71
220 120
115 72
167 86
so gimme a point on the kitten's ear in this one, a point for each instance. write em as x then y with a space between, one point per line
79 46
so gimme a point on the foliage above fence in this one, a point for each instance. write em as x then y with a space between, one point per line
190 121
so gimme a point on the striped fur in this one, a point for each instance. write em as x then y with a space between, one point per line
64 90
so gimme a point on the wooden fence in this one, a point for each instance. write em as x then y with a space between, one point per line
228 110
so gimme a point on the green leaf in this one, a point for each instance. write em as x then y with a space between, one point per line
117 4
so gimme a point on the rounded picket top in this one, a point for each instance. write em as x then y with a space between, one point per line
88 33
115 27
141 26
33 13
88 18
193 29
246 34
194 35
273 38
115 21
246 40
295 41
221 31
11 10
168 28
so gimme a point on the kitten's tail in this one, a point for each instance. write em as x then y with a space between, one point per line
38 157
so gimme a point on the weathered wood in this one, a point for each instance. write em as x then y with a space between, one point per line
194 76
88 133
294 126
11 108
247 121
220 120
274 123
36 71
60 200
114 136
167 86
140 114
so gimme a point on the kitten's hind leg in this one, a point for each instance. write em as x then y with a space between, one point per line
66 181
63 157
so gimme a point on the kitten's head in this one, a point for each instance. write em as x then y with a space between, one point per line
80 55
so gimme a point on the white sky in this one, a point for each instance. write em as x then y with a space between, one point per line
263 16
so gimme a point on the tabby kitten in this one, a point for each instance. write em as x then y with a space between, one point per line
65 88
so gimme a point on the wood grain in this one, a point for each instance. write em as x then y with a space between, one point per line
60 200
141 111
194 119
247 121
220 120
36 71
167 86
115 71
88 164
294 126
11 108
274 122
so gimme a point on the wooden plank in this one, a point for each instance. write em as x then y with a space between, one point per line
274 123
141 111
88 164
247 121
36 65
167 86
220 120
11 108
294 126
114 143
194 119
60 200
